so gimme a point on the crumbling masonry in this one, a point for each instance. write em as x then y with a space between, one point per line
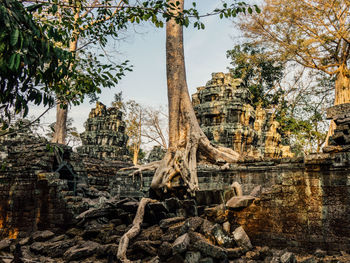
226 116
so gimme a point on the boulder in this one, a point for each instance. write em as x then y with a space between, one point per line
241 238
288 257
84 250
180 244
165 223
40 236
192 257
199 242
240 201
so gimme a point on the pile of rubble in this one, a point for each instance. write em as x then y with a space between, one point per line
173 231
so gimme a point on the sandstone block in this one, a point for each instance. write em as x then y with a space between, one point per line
241 238
240 201
288 257
181 243
200 243
192 257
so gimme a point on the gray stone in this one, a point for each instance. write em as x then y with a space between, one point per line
86 249
200 243
240 201
256 191
165 223
233 253
165 249
180 244
5 244
320 253
192 257
147 246
42 235
222 239
241 238
288 257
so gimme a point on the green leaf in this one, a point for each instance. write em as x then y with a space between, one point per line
17 61
14 37
12 61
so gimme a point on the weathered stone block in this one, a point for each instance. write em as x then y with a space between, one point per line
181 243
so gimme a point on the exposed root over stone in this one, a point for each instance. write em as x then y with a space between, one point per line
182 161
141 168
133 231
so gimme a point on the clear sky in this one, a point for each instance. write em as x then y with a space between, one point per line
205 53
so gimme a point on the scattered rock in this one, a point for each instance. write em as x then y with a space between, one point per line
320 253
200 243
86 249
288 257
241 238
240 201
40 236
5 244
181 243
165 223
192 257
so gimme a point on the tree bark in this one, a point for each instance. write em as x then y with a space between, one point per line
186 140
342 86
342 94
60 133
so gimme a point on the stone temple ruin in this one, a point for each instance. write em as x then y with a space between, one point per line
104 135
225 114
60 206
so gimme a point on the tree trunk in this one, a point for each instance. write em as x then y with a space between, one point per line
187 142
342 86
60 132
342 94
59 135
136 154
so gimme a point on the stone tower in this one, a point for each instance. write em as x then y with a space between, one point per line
226 115
104 136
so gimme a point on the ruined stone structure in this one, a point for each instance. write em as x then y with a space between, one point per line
340 140
104 135
43 185
224 111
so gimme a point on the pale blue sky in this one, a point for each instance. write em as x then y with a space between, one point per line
205 53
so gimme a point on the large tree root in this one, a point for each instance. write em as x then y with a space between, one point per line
183 161
133 231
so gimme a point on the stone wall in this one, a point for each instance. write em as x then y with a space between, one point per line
37 189
304 204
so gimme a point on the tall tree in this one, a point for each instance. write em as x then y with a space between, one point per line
314 33
186 139
82 24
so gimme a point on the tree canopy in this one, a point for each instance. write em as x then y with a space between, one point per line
30 63
314 33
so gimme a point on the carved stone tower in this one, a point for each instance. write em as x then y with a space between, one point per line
104 136
225 114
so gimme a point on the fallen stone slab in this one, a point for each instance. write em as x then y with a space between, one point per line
192 257
146 246
241 238
180 244
84 250
199 242
240 201
5 244
40 236
288 257
165 223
